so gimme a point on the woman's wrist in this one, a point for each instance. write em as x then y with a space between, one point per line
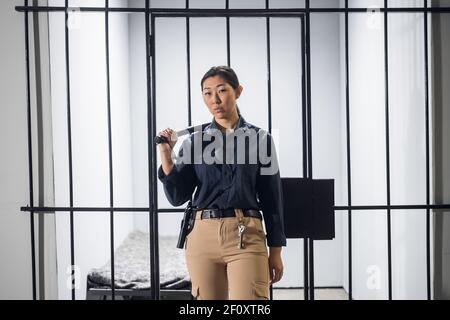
166 160
275 250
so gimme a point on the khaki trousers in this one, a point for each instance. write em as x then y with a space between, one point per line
220 270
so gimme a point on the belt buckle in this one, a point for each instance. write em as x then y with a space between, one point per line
208 213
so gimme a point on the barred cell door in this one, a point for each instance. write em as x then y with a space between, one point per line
268 50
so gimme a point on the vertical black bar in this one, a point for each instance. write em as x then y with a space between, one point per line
152 168
40 154
349 173
269 92
388 177
427 144
305 156
227 6
149 49
304 125
154 185
111 182
305 269
308 104
188 55
69 143
269 85
30 155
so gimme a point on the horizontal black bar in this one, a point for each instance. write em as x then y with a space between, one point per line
131 292
228 12
233 15
315 287
394 207
146 209
134 292
390 10
298 10
71 9
97 209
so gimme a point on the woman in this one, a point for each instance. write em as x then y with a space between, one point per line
226 251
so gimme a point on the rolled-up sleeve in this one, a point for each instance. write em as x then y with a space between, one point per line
269 190
181 181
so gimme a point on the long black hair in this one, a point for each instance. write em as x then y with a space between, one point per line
227 74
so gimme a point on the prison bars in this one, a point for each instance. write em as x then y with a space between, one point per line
153 210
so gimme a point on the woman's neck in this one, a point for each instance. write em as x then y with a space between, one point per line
228 123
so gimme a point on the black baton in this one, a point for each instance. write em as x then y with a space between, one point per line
162 139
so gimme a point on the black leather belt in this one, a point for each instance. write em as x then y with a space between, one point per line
227 213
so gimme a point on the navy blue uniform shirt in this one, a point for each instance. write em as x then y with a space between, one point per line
226 171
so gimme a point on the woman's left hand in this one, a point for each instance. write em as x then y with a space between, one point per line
275 265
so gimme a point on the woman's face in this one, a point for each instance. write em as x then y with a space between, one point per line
220 97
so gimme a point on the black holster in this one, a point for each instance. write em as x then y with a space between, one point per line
187 224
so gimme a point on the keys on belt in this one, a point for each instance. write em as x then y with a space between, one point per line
241 229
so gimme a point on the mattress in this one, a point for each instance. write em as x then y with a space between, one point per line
132 265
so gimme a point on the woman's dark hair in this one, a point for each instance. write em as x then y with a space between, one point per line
227 74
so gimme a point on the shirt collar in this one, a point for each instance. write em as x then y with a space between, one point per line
241 124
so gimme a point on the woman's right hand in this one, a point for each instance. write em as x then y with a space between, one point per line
170 135
166 149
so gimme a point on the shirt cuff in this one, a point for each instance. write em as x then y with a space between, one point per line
277 242
163 177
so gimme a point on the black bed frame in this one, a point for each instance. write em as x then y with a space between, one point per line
133 294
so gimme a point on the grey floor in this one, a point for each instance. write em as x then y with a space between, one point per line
319 294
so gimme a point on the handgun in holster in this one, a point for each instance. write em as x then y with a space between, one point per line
187 224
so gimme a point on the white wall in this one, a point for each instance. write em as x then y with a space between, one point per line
327 136
90 139
368 154
138 116
15 243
